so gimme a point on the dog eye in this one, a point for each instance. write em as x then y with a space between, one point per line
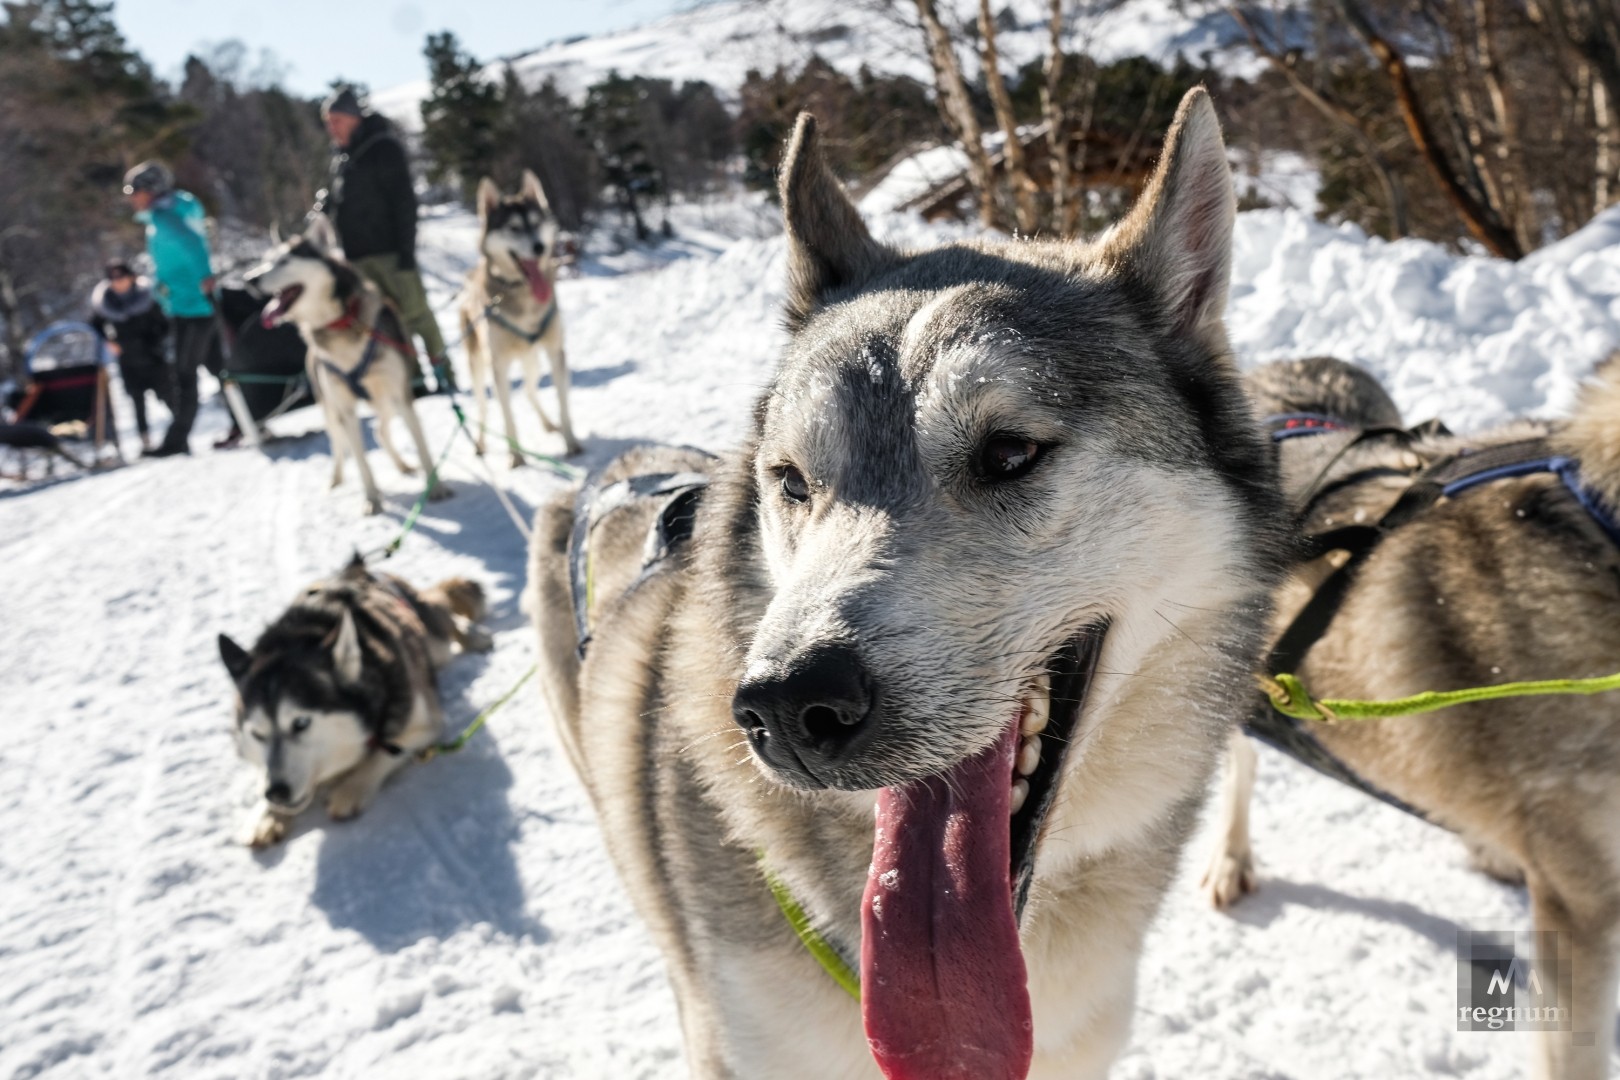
300 725
1007 457
257 734
794 485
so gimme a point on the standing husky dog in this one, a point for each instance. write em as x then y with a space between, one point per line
1507 582
341 688
356 350
509 307
947 589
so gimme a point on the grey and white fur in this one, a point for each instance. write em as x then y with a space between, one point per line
340 690
968 456
337 312
509 309
1510 581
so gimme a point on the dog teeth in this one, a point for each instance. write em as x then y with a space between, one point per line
1020 792
1029 755
1037 709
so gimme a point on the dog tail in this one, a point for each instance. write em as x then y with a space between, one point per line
1592 435
466 597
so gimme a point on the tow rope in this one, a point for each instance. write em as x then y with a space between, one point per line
1286 711
1289 697
825 953
429 753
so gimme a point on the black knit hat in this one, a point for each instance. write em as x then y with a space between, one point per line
342 100
118 268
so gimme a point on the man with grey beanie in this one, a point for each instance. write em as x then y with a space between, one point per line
372 204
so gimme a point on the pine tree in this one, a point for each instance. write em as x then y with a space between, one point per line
461 117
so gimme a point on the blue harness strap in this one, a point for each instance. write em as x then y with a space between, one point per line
1447 478
352 378
506 324
680 494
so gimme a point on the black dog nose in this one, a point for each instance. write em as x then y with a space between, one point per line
278 792
539 248
810 717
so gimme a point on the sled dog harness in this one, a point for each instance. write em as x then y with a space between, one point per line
679 494
1278 720
492 313
374 337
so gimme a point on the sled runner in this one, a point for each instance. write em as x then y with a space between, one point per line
64 400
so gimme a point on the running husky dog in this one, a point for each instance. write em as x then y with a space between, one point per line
340 689
947 582
509 307
1514 580
356 350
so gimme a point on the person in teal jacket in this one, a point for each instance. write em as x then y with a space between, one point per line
177 241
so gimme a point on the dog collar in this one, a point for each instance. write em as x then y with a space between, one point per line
1289 425
351 315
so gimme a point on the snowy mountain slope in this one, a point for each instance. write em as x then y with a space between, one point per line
720 42
469 924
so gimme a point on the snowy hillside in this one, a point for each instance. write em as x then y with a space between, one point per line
469 926
719 42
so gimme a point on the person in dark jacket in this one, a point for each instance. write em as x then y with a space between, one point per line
127 316
372 203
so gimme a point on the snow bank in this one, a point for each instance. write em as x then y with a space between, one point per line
1475 340
469 924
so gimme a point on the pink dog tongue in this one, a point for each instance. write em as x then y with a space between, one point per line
943 988
538 285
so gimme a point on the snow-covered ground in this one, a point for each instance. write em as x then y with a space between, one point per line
469 924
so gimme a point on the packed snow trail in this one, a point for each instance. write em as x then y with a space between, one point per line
469 924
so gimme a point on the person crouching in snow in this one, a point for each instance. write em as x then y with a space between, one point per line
127 316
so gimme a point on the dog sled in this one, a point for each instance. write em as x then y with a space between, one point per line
62 410
264 374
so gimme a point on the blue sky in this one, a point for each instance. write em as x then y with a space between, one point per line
378 43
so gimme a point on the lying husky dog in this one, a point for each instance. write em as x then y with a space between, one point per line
1508 579
340 689
509 307
357 349
941 662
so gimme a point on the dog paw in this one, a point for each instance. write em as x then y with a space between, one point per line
477 639
337 481
406 468
478 446
574 449
517 460
268 831
1229 878
372 505
441 492
345 803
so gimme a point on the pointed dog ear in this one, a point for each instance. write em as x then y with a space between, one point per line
237 659
829 248
489 196
532 190
346 658
320 233
1177 239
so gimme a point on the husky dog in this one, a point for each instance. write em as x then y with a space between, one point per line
509 307
357 349
941 660
341 688
1513 581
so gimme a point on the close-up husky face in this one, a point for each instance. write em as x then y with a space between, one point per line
296 721
994 483
305 284
520 235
